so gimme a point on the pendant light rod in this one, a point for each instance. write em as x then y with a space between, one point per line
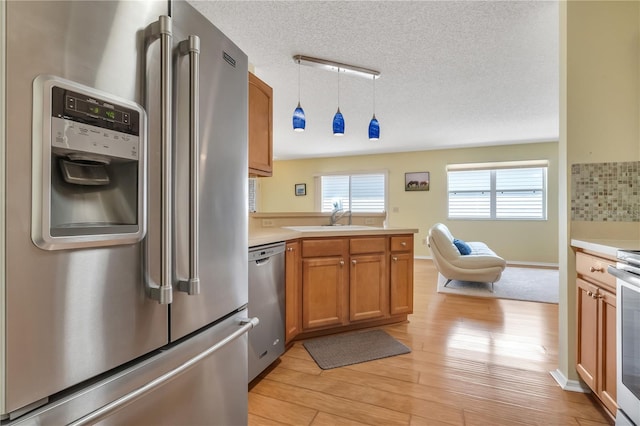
336 66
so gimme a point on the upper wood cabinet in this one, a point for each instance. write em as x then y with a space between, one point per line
260 127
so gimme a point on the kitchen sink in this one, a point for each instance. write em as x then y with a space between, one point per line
331 228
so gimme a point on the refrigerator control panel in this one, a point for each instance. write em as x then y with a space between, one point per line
86 123
73 136
89 167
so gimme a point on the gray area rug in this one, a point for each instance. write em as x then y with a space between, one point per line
531 284
353 348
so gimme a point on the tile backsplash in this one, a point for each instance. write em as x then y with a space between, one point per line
605 192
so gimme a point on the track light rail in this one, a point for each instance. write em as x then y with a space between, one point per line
336 66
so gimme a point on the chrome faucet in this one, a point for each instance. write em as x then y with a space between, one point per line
337 214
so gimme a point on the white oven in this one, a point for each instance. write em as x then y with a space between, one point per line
627 273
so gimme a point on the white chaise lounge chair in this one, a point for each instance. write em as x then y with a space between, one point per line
478 264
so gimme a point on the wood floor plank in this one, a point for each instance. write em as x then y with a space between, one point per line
372 395
473 362
261 421
279 411
328 402
326 419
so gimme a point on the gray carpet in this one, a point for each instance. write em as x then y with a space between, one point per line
532 284
352 348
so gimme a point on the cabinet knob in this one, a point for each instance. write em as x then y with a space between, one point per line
341 262
596 269
403 243
289 248
395 259
590 293
353 262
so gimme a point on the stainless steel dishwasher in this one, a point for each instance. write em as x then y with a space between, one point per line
266 301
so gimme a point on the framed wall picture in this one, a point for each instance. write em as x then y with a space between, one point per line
300 189
416 181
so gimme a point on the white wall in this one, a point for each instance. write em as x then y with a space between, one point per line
600 122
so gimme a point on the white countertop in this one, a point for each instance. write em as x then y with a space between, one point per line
271 235
609 247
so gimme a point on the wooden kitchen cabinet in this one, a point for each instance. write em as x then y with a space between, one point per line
401 275
346 282
293 291
368 280
596 327
324 283
260 127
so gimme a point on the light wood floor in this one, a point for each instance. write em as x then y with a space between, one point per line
474 361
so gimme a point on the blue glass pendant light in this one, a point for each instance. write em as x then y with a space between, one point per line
374 125
338 119
299 119
338 124
374 129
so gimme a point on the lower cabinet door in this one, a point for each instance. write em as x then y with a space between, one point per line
293 291
401 283
587 328
606 387
324 292
368 287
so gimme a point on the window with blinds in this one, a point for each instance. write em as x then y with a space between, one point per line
517 191
356 192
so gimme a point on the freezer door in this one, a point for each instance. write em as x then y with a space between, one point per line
222 174
200 381
69 315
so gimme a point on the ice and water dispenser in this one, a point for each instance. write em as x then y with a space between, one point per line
88 167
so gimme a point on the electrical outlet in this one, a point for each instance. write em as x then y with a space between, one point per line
267 223
368 221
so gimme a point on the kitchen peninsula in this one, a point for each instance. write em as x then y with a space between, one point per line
341 278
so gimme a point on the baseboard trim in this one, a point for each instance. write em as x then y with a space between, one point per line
569 385
533 264
510 263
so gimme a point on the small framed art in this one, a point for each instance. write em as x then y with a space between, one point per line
300 189
416 181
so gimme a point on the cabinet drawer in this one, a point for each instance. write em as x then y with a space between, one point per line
367 245
402 243
594 268
320 248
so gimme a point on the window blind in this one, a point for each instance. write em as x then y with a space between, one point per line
357 192
502 193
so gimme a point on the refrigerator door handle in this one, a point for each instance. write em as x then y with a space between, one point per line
162 29
191 47
103 412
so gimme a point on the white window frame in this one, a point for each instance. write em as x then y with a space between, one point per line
318 185
492 168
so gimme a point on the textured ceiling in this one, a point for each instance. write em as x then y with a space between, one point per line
453 73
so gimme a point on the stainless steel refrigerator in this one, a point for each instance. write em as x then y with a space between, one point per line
123 237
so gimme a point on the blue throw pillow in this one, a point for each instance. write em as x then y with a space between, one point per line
463 247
